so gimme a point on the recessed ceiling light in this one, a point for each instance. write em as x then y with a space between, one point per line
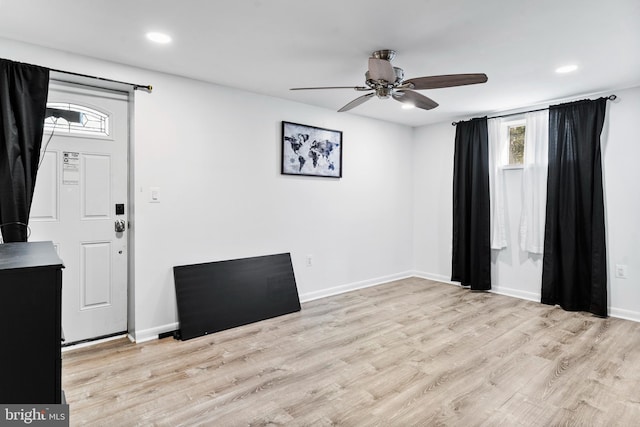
408 106
566 69
159 37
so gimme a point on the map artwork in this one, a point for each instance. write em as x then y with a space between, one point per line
311 151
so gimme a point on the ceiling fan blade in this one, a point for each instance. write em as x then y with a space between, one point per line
359 100
381 69
358 88
414 98
449 80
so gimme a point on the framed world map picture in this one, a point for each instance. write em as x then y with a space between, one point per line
311 151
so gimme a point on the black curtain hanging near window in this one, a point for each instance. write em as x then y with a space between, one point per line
23 102
574 273
471 256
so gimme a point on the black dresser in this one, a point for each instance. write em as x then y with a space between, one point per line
30 317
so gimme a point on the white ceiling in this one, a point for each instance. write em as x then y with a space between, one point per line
269 46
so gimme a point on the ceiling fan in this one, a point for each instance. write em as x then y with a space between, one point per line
384 81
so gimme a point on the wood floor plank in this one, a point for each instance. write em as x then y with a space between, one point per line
410 352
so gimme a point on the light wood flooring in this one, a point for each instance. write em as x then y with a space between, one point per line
407 353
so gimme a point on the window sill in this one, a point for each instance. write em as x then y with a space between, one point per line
512 167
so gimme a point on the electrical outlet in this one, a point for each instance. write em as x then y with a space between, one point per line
309 260
621 271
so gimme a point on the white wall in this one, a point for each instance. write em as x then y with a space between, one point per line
621 152
214 154
514 272
433 202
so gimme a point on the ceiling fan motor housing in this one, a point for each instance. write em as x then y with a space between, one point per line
382 87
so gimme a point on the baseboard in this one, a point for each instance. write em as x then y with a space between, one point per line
152 333
310 296
529 296
501 290
434 277
624 314
516 293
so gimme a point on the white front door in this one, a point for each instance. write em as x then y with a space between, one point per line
80 194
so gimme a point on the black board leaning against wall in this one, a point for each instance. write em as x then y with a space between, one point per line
215 296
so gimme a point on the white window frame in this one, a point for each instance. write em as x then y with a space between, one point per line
504 133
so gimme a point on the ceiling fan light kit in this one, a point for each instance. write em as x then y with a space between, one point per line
386 81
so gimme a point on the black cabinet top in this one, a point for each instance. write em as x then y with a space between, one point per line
28 255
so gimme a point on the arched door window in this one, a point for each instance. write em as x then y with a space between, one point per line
76 119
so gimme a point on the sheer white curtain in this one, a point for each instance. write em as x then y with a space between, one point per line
498 157
534 181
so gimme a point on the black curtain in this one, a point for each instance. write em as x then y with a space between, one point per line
471 257
23 102
574 272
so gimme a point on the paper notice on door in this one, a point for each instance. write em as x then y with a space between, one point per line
70 168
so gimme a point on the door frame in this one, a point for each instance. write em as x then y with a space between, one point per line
88 82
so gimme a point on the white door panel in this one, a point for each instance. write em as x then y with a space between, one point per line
96 192
95 275
84 174
45 206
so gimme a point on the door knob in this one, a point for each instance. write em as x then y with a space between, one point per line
120 225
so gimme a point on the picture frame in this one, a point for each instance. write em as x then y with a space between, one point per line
311 151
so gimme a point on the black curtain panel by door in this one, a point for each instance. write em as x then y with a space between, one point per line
23 102
471 256
574 273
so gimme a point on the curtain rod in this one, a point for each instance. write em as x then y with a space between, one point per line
610 98
147 88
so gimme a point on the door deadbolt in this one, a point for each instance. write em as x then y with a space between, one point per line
120 225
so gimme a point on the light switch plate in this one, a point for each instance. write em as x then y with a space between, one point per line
154 194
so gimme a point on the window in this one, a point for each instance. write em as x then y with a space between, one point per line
513 132
76 119
516 145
